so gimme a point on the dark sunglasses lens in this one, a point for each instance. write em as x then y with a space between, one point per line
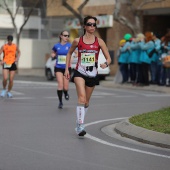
66 35
91 24
88 24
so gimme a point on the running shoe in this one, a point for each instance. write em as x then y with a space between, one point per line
9 95
67 96
80 130
60 106
3 93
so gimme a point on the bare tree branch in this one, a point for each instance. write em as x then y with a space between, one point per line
28 15
13 17
16 11
122 19
10 13
65 4
49 4
82 6
147 2
74 12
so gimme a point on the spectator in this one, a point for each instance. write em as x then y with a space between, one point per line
125 59
134 60
154 54
139 38
122 61
146 46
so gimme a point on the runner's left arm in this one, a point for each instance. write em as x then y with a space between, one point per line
105 52
18 54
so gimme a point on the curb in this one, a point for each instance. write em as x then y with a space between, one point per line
126 129
153 88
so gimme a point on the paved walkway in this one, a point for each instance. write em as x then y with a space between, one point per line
126 129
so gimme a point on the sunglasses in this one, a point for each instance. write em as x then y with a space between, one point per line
91 24
66 35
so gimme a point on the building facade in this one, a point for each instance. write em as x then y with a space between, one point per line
154 17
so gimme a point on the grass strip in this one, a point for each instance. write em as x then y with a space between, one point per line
158 121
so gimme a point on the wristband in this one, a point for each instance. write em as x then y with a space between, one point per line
106 64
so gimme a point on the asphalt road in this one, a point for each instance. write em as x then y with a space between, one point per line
36 135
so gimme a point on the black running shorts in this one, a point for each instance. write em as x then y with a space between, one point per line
12 68
61 70
89 81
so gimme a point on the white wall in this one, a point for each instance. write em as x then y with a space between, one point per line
34 22
33 52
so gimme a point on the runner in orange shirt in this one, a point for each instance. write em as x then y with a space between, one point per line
10 58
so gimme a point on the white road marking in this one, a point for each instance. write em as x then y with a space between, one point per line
16 93
52 97
23 98
33 84
97 96
96 93
156 95
126 96
36 83
119 146
114 96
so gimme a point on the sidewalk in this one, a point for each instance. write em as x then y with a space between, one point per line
126 129
109 82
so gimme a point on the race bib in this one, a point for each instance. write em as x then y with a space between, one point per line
88 59
61 59
7 65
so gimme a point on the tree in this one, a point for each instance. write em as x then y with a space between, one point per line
13 15
78 14
134 26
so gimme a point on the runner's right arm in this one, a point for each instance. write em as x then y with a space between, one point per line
1 50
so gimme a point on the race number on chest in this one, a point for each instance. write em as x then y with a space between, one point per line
88 59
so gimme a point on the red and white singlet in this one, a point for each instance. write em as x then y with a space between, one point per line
88 58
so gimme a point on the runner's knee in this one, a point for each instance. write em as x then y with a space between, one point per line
82 99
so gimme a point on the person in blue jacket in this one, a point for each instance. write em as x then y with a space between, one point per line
165 48
155 60
140 37
146 46
156 63
60 51
134 61
124 58
123 61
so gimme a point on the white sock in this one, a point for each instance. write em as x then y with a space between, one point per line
80 114
86 109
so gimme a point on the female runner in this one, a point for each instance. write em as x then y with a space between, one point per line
85 75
